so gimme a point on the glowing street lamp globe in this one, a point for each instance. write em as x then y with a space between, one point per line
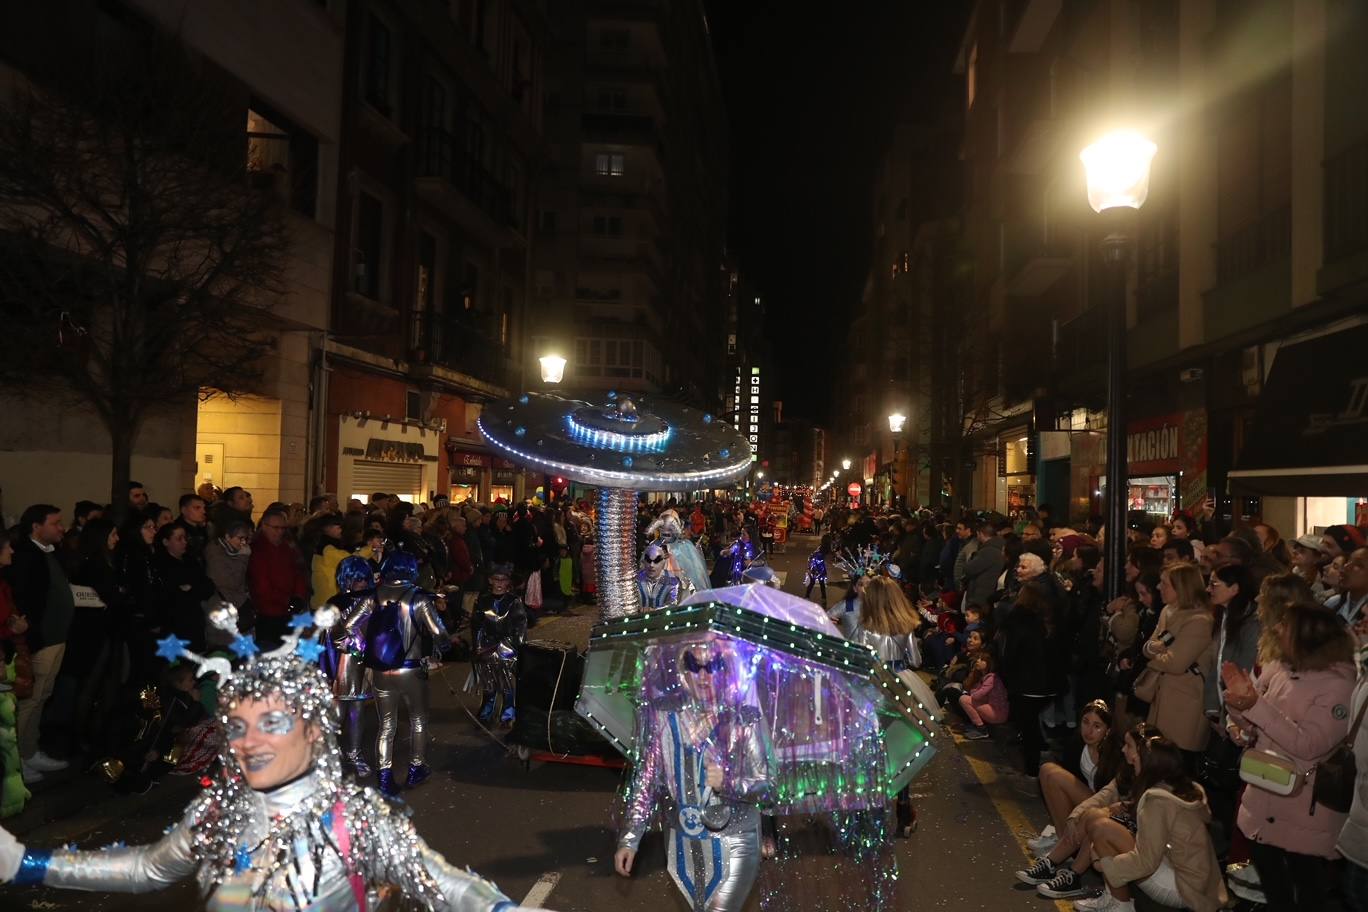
896 422
845 464
1118 168
552 368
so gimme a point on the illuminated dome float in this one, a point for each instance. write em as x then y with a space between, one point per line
621 448
844 733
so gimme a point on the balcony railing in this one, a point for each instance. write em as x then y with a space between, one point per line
1267 239
467 342
1346 202
442 154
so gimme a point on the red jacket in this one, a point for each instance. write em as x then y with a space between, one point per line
275 574
462 568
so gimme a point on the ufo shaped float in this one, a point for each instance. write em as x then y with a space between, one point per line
622 448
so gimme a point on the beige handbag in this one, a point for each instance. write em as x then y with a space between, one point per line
1146 686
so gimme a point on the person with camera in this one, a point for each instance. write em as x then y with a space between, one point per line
1289 718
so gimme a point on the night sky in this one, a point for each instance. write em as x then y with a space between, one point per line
812 101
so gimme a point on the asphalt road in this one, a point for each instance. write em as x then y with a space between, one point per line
546 826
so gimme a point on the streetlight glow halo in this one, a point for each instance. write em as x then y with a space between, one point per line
1118 170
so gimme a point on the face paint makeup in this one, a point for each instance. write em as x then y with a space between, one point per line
276 722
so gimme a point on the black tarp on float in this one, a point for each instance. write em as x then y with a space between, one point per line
1310 434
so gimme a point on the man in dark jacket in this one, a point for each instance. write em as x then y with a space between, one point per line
276 578
984 566
236 505
42 594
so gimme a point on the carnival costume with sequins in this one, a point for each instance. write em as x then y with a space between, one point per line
685 561
404 616
741 554
343 659
656 586
499 629
712 844
318 843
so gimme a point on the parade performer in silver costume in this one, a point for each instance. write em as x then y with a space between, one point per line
343 659
685 562
499 629
704 763
278 829
656 585
403 618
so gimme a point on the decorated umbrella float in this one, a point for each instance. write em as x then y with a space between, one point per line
621 448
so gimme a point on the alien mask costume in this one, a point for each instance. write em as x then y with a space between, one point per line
314 841
684 559
404 616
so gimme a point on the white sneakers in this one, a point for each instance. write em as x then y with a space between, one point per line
29 774
1104 903
1041 844
45 764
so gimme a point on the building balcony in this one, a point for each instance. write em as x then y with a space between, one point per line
622 129
623 254
1266 240
465 190
1346 218
465 343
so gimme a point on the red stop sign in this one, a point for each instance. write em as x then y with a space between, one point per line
853 489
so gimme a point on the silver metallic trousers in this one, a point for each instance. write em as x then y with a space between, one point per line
740 863
408 685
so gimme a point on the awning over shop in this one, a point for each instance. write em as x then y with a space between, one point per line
1310 435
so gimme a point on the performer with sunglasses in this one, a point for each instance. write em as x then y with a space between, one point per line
703 760
656 585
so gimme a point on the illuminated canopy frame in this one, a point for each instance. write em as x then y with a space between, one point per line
805 662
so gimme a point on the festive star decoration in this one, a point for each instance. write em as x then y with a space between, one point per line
244 647
242 859
309 650
171 647
301 621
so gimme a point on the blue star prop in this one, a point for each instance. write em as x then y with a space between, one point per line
242 859
309 650
171 647
244 647
301 621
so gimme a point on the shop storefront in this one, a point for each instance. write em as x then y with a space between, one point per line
503 481
1166 461
396 460
470 473
1016 471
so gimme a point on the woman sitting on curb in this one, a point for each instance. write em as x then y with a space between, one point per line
1085 766
1050 875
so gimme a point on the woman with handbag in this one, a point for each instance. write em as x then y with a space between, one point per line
1353 839
1290 719
1180 657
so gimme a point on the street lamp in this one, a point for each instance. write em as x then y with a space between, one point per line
760 474
896 421
845 465
552 368
1118 169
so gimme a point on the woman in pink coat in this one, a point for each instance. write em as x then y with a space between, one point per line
1298 708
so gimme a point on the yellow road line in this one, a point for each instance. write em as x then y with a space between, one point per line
1007 807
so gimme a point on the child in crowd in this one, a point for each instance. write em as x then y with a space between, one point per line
984 701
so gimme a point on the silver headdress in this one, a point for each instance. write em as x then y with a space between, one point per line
390 852
868 561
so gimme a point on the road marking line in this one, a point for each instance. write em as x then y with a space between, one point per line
1006 806
541 889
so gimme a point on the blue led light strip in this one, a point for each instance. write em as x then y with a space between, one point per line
610 478
612 440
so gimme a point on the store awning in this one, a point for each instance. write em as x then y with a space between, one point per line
1310 433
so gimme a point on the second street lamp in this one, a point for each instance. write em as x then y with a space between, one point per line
552 368
1118 169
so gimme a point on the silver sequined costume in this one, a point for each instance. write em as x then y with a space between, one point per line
499 629
657 593
713 868
402 616
175 857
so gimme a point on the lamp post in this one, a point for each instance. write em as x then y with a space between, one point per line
896 421
552 372
845 465
1118 170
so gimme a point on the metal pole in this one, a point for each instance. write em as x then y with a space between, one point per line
615 555
1116 247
